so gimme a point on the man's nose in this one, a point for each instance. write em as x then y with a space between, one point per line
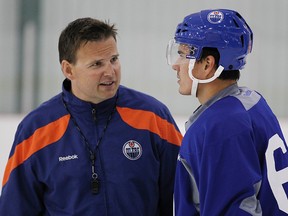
175 67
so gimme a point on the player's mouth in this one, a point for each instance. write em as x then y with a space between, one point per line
178 76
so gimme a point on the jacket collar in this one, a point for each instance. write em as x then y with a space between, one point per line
77 105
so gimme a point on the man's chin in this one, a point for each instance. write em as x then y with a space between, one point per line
184 92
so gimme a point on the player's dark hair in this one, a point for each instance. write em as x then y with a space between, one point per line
226 74
81 31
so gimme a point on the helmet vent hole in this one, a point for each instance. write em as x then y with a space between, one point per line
242 40
235 23
230 67
240 17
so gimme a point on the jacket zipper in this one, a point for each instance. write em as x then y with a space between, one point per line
94 114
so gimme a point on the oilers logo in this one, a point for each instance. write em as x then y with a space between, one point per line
215 17
132 150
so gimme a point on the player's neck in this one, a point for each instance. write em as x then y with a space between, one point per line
207 90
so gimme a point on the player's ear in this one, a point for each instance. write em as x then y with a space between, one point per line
209 63
67 69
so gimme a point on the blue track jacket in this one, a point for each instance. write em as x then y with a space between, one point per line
49 167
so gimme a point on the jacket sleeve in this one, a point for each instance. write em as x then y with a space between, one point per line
168 159
21 192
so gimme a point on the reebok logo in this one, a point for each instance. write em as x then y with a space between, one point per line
69 157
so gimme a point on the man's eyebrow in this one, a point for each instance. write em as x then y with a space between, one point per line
100 60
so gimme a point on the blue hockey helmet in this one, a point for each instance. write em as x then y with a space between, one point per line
223 29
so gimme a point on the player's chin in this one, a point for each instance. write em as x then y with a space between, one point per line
184 91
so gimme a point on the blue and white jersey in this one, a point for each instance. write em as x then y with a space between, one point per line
233 159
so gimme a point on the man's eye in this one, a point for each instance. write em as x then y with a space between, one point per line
181 54
97 64
114 59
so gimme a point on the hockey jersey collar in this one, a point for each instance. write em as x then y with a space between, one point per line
232 89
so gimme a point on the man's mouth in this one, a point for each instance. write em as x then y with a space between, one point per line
107 83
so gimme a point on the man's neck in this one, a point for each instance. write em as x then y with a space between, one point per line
208 90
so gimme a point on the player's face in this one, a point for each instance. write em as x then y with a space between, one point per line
96 75
181 67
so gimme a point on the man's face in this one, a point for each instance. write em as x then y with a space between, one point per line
181 67
96 74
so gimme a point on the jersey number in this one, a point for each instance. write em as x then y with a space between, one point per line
277 178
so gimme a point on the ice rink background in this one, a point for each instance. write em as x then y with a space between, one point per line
9 123
30 70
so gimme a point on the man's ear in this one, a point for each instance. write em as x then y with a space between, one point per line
67 69
209 63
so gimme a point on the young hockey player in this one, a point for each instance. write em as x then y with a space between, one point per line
233 159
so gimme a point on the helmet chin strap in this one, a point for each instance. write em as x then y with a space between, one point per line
197 81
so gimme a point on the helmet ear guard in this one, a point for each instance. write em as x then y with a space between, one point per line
223 29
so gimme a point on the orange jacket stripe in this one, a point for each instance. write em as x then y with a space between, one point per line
41 138
153 123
